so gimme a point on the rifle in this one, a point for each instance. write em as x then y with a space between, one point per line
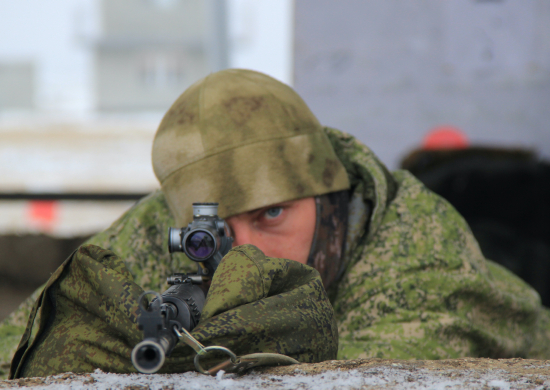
206 240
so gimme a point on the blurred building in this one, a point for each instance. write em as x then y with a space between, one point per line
148 52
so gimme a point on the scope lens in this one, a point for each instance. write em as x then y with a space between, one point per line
200 245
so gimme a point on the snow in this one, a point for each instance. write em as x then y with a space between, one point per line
394 376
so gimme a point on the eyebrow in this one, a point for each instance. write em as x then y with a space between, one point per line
269 207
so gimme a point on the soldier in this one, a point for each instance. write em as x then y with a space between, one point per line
402 270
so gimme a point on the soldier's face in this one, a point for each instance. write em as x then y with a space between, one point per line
280 230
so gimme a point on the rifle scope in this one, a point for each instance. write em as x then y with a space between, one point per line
205 240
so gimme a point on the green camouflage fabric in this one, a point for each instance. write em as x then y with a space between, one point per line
89 310
140 238
415 283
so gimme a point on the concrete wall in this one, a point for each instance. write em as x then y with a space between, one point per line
388 71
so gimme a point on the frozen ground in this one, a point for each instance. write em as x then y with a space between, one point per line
355 374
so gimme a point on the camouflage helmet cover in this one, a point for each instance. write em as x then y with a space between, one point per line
245 140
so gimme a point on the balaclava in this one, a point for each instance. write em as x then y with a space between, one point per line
326 252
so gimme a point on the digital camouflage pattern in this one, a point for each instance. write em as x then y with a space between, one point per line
415 283
89 311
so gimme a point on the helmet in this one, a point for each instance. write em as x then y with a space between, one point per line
244 140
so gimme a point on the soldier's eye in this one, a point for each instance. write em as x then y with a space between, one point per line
273 212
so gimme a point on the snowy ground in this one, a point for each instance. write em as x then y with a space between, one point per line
357 374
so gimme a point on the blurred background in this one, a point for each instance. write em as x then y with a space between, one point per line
456 91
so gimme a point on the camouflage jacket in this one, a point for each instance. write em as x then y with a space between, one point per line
416 284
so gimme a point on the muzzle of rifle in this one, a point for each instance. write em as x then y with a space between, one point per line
149 355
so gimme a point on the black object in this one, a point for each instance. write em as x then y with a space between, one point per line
205 240
504 195
180 307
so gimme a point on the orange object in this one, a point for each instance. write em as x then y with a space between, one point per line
445 137
42 214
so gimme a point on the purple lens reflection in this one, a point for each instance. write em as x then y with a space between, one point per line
200 245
